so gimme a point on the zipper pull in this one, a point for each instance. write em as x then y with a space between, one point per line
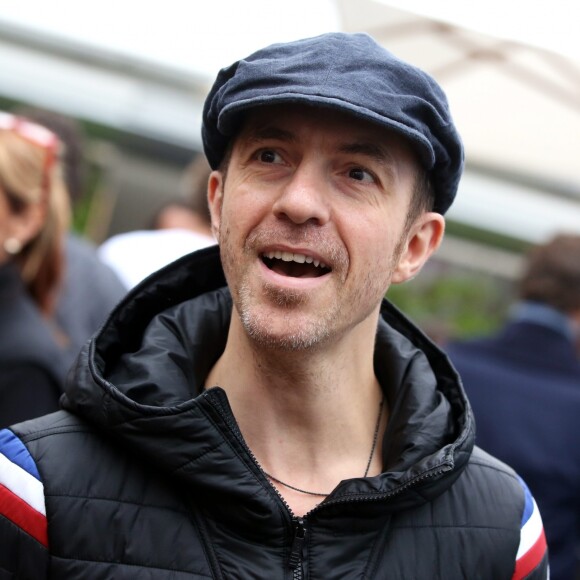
297 544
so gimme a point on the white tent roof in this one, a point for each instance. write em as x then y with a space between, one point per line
552 26
142 67
193 37
146 67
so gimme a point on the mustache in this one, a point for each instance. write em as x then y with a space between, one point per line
329 248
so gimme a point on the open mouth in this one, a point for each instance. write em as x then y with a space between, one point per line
294 265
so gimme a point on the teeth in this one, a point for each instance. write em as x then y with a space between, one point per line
290 257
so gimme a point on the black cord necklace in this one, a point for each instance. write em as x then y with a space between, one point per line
318 494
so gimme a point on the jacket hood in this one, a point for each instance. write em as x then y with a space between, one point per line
141 379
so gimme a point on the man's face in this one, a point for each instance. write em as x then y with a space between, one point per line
310 221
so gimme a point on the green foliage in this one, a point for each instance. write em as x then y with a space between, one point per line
82 208
484 237
455 304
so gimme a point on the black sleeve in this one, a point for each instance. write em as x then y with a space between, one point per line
26 391
21 556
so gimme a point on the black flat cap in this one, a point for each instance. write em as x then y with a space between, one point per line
351 73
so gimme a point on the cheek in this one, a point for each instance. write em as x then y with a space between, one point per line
243 208
379 250
371 236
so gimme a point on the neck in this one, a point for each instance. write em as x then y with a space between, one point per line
317 409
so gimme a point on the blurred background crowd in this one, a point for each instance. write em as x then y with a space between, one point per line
102 181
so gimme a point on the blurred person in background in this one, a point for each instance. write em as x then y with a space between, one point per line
176 213
34 217
524 387
178 227
90 288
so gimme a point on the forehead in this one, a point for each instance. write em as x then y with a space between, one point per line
343 130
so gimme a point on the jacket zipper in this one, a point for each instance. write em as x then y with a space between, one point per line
295 561
296 553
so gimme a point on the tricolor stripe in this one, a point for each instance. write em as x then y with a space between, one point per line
532 549
21 491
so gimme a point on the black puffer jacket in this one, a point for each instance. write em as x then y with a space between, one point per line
146 475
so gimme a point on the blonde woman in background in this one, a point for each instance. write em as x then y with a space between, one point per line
34 216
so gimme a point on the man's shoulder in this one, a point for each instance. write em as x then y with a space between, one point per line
43 439
491 492
22 490
485 460
48 426
505 499
74 458
493 472
68 457
59 443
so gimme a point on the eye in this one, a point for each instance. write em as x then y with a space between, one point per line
269 156
360 174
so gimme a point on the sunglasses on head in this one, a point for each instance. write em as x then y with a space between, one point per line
36 135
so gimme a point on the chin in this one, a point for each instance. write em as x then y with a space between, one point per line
292 336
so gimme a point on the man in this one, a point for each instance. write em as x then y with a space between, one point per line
524 386
291 424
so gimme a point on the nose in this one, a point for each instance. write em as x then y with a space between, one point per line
304 197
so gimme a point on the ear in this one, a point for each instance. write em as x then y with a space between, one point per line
423 238
215 193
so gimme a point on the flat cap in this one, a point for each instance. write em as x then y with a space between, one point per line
351 73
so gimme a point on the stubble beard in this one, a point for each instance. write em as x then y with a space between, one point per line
259 328
318 330
248 302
